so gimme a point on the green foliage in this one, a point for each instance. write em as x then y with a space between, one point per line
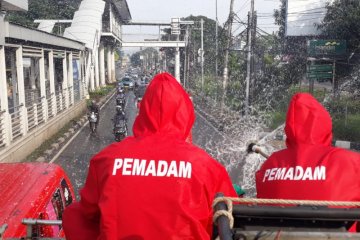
280 17
209 43
346 119
100 92
342 21
44 9
344 112
145 53
347 129
277 118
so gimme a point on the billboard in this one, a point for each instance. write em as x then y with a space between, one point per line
321 47
303 15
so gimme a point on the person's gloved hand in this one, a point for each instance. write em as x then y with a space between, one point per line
239 191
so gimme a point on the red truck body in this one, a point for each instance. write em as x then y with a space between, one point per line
33 190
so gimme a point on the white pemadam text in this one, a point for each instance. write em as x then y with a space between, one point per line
158 168
296 173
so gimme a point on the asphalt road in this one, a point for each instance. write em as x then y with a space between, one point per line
76 156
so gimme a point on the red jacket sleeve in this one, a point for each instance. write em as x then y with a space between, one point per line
90 195
225 185
81 219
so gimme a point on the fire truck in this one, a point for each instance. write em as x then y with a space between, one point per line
33 197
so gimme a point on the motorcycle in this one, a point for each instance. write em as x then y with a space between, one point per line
120 130
120 102
92 121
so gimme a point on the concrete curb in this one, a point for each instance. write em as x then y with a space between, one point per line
347 145
337 143
61 141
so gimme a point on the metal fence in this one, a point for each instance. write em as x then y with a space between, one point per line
16 126
35 114
50 106
59 100
2 129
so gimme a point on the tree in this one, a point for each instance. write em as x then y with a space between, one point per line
342 21
195 44
44 9
292 53
147 58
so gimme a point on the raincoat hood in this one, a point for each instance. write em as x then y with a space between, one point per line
165 109
307 122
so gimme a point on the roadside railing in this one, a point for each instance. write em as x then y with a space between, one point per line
35 114
16 125
2 132
40 112
59 103
32 116
50 106
71 97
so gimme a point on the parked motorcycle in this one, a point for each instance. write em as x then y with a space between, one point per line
93 121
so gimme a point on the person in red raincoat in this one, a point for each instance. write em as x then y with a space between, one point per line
309 168
153 185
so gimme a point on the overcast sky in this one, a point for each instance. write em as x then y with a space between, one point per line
164 10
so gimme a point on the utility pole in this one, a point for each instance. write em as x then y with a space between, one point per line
202 54
177 62
249 56
186 54
225 76
216 40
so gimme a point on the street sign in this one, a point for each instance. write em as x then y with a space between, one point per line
320 68
175 26
326 47
319 75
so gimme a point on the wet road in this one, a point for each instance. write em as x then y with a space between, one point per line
76 156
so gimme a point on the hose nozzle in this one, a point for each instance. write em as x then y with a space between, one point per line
252 147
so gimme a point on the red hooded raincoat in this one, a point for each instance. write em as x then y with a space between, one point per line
153 185
310 168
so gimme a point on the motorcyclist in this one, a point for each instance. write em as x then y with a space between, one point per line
119 115
120 98
120 89
94 107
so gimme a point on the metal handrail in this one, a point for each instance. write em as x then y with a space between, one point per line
2 230
30 222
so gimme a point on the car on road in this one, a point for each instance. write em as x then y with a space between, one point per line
128 83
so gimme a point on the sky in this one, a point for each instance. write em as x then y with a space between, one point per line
164 10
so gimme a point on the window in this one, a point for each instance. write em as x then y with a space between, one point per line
66 193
